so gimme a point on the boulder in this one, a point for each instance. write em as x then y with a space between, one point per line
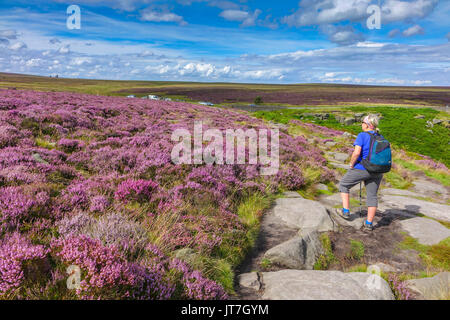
359 117
291 194
355 221
425 230
435 288
324 285
249 281
339 156
429 188
304 214
347 134
430 209
300 252
339 165
382 267
349 121
419 116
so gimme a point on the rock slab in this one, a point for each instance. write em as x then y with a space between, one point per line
435 288
300 252
304 214
426 231
324 285
430 209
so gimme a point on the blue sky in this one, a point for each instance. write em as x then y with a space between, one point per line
306 41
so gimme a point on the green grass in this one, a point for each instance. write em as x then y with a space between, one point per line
396 180
436 256
357 268
324 260
265 263
440 176
356 250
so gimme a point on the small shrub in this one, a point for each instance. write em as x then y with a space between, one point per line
258 100
324 260
356 250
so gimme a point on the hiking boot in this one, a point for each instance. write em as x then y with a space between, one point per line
367 226
345 214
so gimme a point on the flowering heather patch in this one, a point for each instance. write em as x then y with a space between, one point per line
430 163
15 252
399 288
138 190
100 169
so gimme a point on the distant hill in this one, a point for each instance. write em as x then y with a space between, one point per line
228 93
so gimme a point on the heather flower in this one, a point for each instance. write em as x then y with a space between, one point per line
14 205
291 178
400 289
432 164
110 229
70 145
107 273
99 204
135 190
9 136
15 253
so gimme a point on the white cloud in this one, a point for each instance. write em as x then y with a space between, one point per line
317 12
64 49
393 33
396 10
153 15
33 62
9 34
248 19
414 30
79 61
18 46
342 35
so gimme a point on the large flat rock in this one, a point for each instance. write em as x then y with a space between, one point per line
435 288
303 214
300 252
324 285
399 192
425 230
430 209
426 187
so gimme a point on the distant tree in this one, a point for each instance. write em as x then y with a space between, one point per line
258 100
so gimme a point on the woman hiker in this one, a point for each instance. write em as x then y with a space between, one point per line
358 173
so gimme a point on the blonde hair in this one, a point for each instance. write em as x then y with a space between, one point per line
373 120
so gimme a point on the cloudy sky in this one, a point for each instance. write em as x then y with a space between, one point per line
284 41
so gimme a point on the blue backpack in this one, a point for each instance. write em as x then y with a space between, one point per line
379 159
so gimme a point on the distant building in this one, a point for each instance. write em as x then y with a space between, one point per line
206 103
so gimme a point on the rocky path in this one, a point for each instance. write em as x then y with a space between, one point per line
282 262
